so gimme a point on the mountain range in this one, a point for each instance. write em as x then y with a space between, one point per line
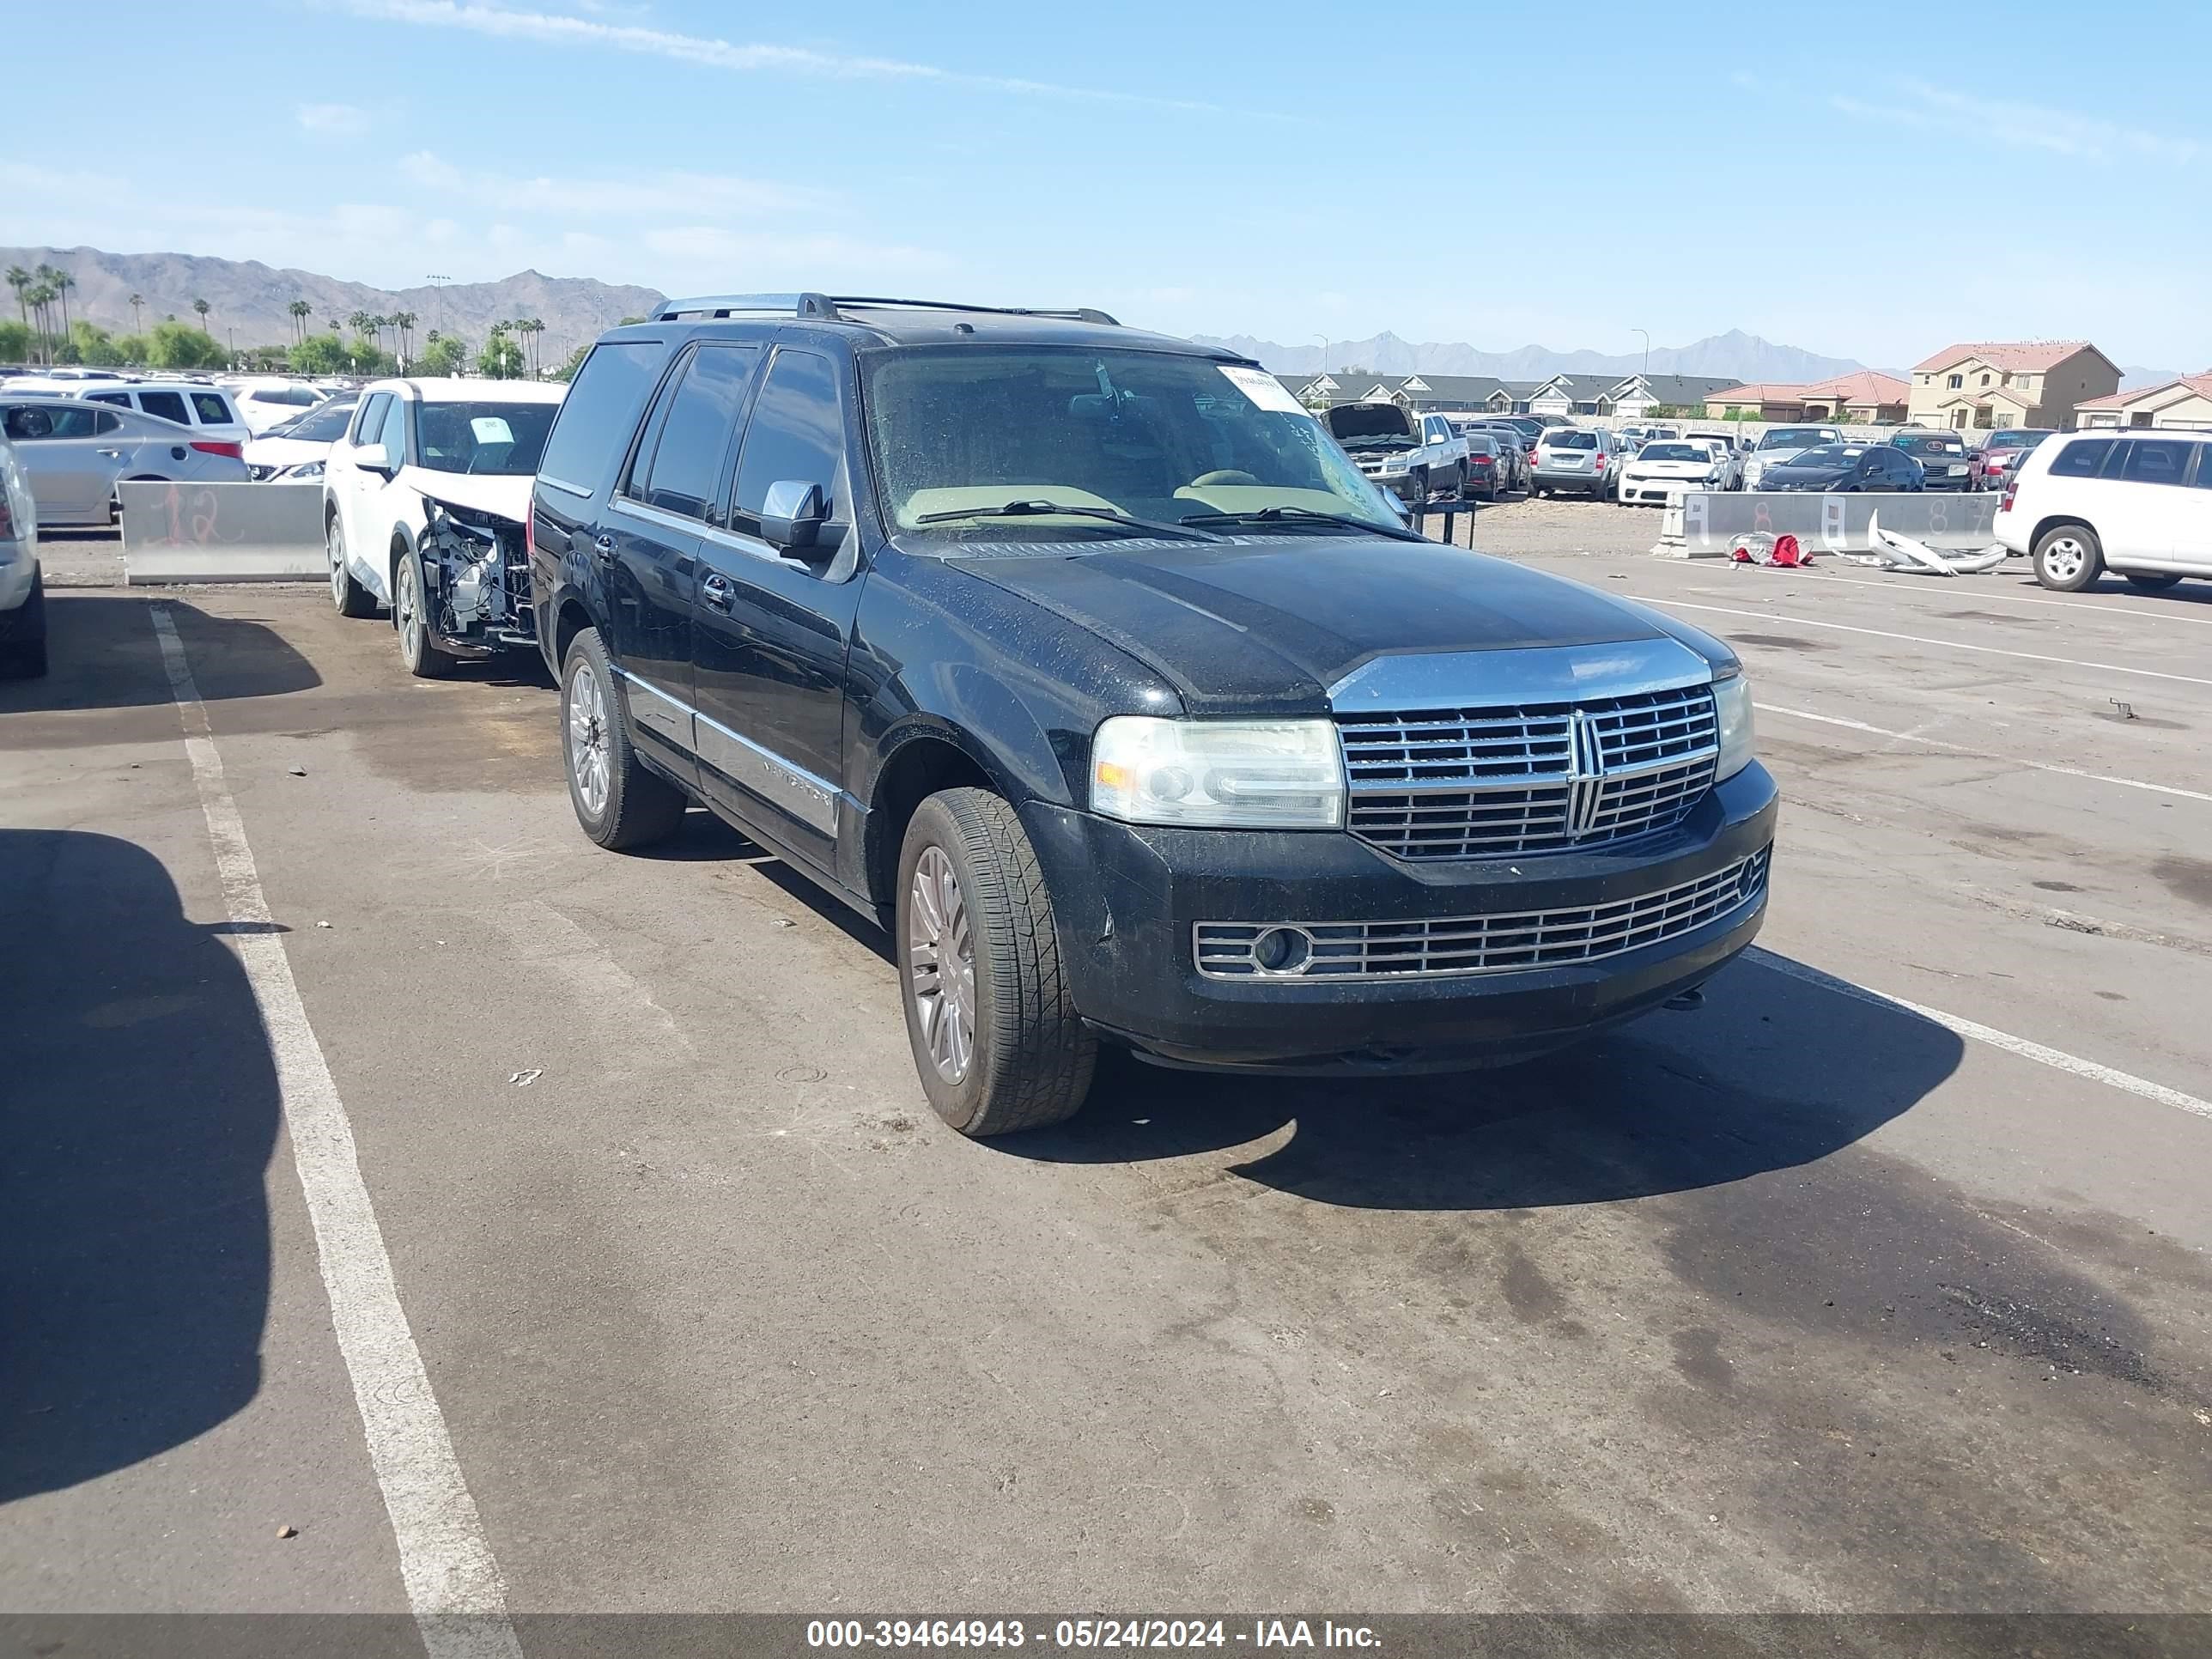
1745 356
248 299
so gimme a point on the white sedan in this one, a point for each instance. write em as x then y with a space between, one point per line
1667 467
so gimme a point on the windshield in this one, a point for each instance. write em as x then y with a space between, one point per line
325 424
1664 451
1155 435
1932 445
1826 455
1571 440
1796 437
488 439
2019 437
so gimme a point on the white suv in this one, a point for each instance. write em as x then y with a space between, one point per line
207 409
2138 504
470 445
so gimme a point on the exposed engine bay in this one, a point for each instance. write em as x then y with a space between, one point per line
475 571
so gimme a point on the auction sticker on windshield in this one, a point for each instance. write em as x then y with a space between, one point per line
1265 390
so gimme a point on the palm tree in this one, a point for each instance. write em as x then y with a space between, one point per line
203 308
404 322
63 283
358 322
299 308
137 301
39 297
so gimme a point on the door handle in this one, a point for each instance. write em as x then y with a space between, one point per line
604 546
111 455
715 591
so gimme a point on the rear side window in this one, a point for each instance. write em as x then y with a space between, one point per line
796 433
394 437
686 466
211 409
1573 441
599 414
169 405
2080 459
370 421
120 399
2157 460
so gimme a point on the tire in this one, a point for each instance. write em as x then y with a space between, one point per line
618 803
969 887
350 598
2149 582
26 658
419 653
2068 557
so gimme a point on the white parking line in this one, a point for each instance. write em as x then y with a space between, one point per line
1980 753
1917 639
454 1583
2058 1058
1920 587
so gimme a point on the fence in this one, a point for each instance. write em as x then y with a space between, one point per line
222 532
1707 524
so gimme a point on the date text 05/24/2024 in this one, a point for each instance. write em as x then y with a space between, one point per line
1081 1635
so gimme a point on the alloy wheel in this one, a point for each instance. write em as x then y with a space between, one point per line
588 739
941 964
2064 557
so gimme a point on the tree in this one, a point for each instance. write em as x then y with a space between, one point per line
93 345
19 279
443 354
41 296
404 322
358 322
203 308
137 322
501 359
319 353
299 309
568 370
130 348
63 283
176 345
15 341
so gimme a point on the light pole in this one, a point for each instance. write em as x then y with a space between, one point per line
1646 333
1323 338
439 283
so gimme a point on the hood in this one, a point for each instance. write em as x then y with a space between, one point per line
506 496
1268 625
1664 468
1348 422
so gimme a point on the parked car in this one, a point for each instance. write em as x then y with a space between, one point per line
1777 444
1488 469
1581 459
302 441
1664 467
264 406
1414 456
1942 457
207 410
1846 469
2138 504
1729 448
22 590
73 454
1083 660
424 500
1524 431
2004 450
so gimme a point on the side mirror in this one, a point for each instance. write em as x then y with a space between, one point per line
794 514
375 458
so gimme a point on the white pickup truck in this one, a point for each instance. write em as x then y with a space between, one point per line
1413 456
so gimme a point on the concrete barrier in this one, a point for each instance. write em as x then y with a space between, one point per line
222 532
1709 524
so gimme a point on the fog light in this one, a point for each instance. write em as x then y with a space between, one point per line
1281 951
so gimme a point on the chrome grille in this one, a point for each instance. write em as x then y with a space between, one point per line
1457 783
1517 941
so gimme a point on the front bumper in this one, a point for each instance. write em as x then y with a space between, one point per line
1128 899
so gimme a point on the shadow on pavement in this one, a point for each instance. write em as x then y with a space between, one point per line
1774 1073
139 1113
104 654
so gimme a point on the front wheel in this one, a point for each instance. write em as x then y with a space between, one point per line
618 803
419 649
2068 557
994 1027
350 598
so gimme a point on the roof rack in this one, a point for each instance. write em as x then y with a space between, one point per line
826 307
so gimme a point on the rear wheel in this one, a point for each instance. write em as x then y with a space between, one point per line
2068 557
350 598
995 1030
418 648
618 802
2150 583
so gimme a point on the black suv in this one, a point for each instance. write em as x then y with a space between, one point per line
1085 662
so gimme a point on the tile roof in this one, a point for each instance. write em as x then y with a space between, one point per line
2199 384
2013 355
1867 385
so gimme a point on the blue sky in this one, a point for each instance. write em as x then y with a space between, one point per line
1869 180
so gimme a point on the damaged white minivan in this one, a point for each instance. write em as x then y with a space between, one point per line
424 501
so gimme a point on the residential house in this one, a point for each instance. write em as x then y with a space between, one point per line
1638 395
1760 400
1863 398
1635 395
2016 383
2183 405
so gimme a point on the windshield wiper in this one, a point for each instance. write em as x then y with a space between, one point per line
1308 515
1046 509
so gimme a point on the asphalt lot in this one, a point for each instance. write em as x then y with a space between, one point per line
1806 1300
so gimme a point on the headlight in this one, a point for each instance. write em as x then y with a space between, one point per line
1240 774
1732 702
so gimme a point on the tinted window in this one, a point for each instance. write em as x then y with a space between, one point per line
1482 447
169 405
492 439
2080 459
796 433
120 399
211 409
2204 466
2157 460
372 418
686 465
33 422
600 412
394 435
1573 441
